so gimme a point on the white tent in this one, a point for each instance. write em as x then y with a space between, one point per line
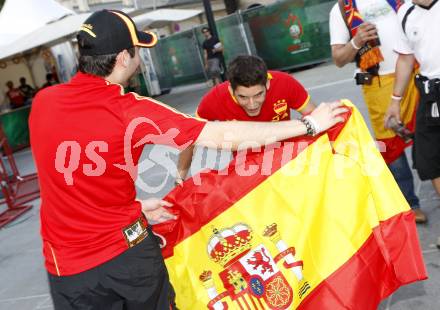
50 34
160 18
19 17
57 31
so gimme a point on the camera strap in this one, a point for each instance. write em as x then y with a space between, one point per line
405 17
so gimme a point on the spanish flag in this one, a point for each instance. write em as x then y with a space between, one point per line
316 223
377 95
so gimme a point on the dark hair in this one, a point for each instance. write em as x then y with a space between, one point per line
101 65
206 28
22 79
247 71
49 76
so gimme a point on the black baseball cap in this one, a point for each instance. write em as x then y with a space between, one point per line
110 32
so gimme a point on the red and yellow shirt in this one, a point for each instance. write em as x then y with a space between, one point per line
83 137
284 93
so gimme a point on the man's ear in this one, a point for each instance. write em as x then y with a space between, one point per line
231 91
121 58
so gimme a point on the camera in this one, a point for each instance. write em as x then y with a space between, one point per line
400 130
363 78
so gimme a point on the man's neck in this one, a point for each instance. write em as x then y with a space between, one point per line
116 78
425 3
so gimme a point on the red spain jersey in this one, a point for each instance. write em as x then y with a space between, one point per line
87 137
284 93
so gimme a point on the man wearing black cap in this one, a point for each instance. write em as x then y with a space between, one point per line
87 137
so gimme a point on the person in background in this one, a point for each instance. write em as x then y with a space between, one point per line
365 31
417 41
27 90
50 80
15 96
212 54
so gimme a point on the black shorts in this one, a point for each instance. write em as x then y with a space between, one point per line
135 280
214 69
426 149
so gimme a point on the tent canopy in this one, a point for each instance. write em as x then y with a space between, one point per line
19 17
160 18
50 34
62 29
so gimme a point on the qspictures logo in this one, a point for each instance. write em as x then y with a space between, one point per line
68 157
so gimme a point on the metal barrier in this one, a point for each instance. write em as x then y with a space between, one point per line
16 189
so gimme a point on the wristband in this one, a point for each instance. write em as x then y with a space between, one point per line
394 97
354 45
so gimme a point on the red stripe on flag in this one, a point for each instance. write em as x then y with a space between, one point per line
385 262
394 147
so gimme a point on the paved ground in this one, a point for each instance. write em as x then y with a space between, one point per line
23 284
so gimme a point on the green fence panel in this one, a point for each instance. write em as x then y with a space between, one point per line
291 33
177 61
232 35
161 66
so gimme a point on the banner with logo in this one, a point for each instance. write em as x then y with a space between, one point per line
314 223
291 33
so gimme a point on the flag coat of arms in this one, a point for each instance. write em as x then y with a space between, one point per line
316 223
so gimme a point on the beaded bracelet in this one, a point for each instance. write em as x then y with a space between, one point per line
314 124
309 127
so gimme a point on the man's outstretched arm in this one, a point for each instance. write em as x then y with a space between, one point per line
234 133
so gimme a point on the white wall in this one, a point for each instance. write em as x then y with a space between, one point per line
13 72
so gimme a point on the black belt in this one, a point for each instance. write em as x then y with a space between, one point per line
430 99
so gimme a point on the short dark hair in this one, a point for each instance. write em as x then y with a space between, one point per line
247 71
101 65
22 79
206 28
